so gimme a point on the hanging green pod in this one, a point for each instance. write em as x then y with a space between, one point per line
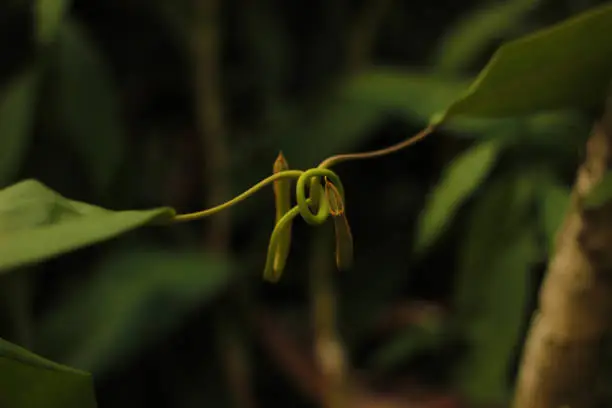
344 238
282 202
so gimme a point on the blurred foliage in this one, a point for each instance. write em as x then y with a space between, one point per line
47 383
97 102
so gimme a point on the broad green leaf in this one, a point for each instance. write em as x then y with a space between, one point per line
17 113
492 291
29 381
48 16
473 34
554 201
458 182
600 194
566 66
36 224
87 104
134 299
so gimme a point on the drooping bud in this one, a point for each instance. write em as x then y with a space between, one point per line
344 238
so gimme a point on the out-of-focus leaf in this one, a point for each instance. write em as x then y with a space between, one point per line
339 127
17 111
87 104
36 223
474 33
30 381
134 299
498 251
407 343
565 66
49 15
600 194
554 201
415 94
459 180
358 106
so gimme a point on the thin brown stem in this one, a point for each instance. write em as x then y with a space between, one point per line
331 161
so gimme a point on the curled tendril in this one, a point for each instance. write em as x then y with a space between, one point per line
315 208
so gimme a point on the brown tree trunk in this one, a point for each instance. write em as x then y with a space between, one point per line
560 362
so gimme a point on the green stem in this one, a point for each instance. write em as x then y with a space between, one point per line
289 174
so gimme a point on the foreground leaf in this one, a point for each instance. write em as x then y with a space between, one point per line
498 251
17 111
134 299
87 104
36 223
458 182
566 66
30 381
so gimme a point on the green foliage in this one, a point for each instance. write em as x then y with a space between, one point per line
29 381
407 343
601 193
553 203
459 181
358 105
497 253
17 113
415 94
566 66
38 223
134 298
48 16
86 103
469 38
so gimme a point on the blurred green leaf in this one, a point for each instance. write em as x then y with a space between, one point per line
600 194
36 223
49 15
554 201
360 104
418 95
566 66
17 115
466 41
87 104
498 250
311 137
30 381
134 299
407 343
458 182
